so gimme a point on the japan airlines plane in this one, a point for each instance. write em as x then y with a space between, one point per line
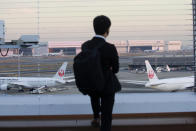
36 83
170 84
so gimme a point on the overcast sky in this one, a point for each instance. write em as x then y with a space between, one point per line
71 20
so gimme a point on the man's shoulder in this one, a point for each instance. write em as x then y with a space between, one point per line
110 45
90 43
85 44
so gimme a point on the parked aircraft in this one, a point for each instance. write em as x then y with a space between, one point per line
168 69
162 69
36 83
169 84
56 54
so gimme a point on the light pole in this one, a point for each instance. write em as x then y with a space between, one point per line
38 17
38 33
19 62
194 40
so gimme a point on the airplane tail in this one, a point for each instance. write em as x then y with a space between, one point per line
61 72
151 74
168 69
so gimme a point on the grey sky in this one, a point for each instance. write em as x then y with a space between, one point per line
65 20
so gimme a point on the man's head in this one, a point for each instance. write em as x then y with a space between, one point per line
101 25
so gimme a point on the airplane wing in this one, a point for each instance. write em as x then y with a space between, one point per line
65 81
19 83
71 80
134 82
67 77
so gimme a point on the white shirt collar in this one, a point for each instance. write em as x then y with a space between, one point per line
100 36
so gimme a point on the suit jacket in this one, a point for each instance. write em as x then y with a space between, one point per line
109 62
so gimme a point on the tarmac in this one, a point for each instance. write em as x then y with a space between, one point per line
47 67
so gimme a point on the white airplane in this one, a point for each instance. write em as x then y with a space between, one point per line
36 83
167 68
170 84
160 69
56 54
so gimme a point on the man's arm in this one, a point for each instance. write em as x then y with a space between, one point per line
115 60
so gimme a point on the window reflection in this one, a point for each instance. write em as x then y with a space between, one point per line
157 31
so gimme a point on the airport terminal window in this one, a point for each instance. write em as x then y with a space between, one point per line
154 30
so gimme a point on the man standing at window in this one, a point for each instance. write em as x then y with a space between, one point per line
103 102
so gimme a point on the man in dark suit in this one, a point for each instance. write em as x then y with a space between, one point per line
103 102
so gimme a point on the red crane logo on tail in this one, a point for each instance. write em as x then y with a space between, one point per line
61 73
151 74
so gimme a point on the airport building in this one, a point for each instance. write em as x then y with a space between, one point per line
68 47
42 50
175 62
129 46
74 47
123 46
174 45
23 41
146 45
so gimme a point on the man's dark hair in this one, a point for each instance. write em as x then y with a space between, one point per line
101 24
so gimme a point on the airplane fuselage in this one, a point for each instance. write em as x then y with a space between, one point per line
35 82
169 84
172 84
32 82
